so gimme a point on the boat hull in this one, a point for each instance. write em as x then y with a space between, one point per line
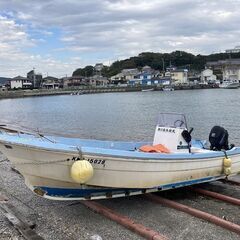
229 86
116 173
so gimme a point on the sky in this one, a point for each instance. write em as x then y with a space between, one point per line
55 37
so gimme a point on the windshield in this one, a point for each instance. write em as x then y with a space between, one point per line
174 120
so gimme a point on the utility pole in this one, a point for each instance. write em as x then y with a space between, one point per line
163 66
34 78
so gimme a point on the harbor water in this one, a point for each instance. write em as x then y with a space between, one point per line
125 116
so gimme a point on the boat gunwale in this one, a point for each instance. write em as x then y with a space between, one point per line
124 154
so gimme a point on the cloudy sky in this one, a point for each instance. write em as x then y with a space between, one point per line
55 37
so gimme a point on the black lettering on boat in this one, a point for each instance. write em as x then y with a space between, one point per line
96 161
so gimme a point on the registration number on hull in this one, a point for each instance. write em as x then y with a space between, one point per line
96 161
91 160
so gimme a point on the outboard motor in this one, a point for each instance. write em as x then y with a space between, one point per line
218 139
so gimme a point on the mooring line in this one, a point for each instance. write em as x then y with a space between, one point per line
196 213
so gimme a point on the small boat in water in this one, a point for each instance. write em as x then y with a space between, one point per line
61 168
229 84
148 90
168 88
76 93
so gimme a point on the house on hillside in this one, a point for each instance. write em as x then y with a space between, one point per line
20 82
125 75
228 69
98 68
233 50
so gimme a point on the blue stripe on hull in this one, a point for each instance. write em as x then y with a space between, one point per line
69 193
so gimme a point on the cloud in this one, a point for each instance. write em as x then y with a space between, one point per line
99 30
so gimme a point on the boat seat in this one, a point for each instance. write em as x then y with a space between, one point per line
159 148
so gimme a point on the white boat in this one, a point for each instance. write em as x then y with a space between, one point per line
148 90
62 168
168 89
229 84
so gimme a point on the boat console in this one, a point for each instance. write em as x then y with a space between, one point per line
172 132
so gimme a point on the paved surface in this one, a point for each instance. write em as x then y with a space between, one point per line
65 220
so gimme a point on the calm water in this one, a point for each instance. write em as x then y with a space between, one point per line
126 116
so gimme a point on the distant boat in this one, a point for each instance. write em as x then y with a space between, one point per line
148 90
168 89
229 84
76 93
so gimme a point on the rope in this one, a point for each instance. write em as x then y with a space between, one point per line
80 152
42 162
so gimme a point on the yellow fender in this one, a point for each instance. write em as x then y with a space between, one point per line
227 163
81 171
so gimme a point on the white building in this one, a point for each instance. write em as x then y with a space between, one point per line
229 68
20 82
207 76
233 50
125 75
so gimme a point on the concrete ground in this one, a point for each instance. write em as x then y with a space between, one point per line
65 220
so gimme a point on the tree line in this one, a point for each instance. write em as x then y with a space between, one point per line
157 61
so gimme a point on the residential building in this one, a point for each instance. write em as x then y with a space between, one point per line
20 83
207 76
36 78
228 69
134 76
146 79
141 79
74 81
233 50
98 68
97 80
125 75
179 76
50 83
130 73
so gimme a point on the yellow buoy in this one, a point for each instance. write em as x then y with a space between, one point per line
227 162
227 171
81 171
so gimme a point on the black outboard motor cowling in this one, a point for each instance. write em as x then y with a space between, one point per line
218 139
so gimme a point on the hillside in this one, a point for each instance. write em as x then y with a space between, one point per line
158 61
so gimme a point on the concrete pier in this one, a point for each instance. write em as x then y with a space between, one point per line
89 90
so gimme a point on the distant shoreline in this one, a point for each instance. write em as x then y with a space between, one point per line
89 90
